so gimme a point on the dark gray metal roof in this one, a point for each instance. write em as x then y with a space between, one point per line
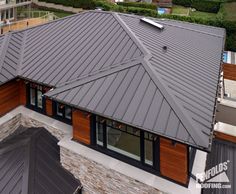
223 151
30 163
93 46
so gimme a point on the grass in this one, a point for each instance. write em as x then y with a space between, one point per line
229 10
180 10
204 15
61 14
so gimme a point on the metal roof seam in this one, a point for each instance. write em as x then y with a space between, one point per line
176 108
76 83
4 49
19 65
125 90
132 35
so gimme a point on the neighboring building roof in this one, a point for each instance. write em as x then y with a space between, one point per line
223 151
30 163
80 54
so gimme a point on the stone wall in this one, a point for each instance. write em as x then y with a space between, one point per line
9 126
12 124
97 179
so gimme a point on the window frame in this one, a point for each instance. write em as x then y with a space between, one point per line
36 89
154 168
62 117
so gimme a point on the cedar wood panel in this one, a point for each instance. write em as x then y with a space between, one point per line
81 127
12 94
229 71
225 137
174 160
49 107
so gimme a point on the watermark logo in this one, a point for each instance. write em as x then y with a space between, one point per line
215 177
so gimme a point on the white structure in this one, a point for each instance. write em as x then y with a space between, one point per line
8 8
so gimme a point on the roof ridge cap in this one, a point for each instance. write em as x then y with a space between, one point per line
131 34
21 53
3 50
186 122
89 78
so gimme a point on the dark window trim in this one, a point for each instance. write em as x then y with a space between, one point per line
28 99
61 118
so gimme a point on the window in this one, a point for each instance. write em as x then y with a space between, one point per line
148 148
118 138
68 112
122 142
35 97
62 112
32 96
99 130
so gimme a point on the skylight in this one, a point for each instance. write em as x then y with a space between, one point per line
148 21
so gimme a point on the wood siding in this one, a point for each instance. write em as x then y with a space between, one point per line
174 160
12 94
226 137
81 126
49 107
229 71
22 92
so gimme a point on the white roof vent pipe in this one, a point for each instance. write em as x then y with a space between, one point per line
151 22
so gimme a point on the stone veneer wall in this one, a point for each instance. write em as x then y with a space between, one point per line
97 179
11 125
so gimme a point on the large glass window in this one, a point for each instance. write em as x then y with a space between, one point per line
99 130
121 141
127 141
148 148
36 96
32 96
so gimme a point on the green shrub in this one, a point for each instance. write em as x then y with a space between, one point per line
140 5
206 6
185 3
141 11
200 5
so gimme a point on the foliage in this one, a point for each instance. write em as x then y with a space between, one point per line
140 5
200 5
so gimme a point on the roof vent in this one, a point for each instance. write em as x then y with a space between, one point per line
148 21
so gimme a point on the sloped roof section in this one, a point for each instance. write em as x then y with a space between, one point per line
189 68
76 46
30 163
128 95
77 54
11 47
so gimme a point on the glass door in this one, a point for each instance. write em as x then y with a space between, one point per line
35 96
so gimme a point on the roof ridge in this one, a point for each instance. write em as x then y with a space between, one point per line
21 53
177 21
186 122
3 50
131 34
83 80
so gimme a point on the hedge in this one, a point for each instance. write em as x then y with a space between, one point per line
200 5
228 25
140 5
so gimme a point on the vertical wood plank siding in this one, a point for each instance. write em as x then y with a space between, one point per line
226 137
49 107
174 160
229 71
12 94
81 126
